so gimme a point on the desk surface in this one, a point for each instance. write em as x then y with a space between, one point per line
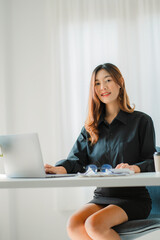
138 179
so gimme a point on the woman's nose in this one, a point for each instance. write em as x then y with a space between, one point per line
103 86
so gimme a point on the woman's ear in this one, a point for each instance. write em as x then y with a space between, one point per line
121 82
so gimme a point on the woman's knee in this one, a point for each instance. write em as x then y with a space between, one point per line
93 225
74 223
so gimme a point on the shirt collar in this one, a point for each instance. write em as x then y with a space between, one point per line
121 116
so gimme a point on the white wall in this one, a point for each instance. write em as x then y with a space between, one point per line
25 63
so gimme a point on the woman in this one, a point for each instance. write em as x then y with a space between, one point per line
114 134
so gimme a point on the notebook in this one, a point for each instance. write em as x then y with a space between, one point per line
23 157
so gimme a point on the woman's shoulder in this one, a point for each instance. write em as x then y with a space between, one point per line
140 115
83 130
83 133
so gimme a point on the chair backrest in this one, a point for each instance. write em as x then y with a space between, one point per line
158 149
154 192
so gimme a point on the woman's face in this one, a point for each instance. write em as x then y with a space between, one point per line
106 88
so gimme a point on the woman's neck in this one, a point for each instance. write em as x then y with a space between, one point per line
112 110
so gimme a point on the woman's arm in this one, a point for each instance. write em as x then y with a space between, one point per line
76 160
147 145
147 148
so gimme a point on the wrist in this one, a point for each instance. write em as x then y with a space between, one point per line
137 169
61 170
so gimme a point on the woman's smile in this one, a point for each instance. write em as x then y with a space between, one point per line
105 94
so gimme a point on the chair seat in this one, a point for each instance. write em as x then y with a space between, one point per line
137 228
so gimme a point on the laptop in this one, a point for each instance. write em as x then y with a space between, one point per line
23 157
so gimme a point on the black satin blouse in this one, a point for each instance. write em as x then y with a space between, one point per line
130 138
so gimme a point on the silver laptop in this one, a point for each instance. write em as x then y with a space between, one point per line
23 158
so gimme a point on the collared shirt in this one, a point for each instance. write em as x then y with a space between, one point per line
130 138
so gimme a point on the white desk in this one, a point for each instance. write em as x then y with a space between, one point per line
139 179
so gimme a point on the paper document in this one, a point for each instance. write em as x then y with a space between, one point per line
108 173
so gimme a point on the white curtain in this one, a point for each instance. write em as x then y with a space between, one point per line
49 49
87 33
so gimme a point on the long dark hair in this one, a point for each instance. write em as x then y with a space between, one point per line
95 106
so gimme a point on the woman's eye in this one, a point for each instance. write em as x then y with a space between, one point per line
108 80
97 83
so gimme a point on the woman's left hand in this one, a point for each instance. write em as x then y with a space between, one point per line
134 168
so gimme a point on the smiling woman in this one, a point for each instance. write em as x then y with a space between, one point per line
48 50
111 126
107 88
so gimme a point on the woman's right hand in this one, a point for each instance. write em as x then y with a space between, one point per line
56 170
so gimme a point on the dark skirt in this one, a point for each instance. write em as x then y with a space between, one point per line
136 206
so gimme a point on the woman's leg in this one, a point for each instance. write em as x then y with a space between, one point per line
95 222
99 225
76 224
